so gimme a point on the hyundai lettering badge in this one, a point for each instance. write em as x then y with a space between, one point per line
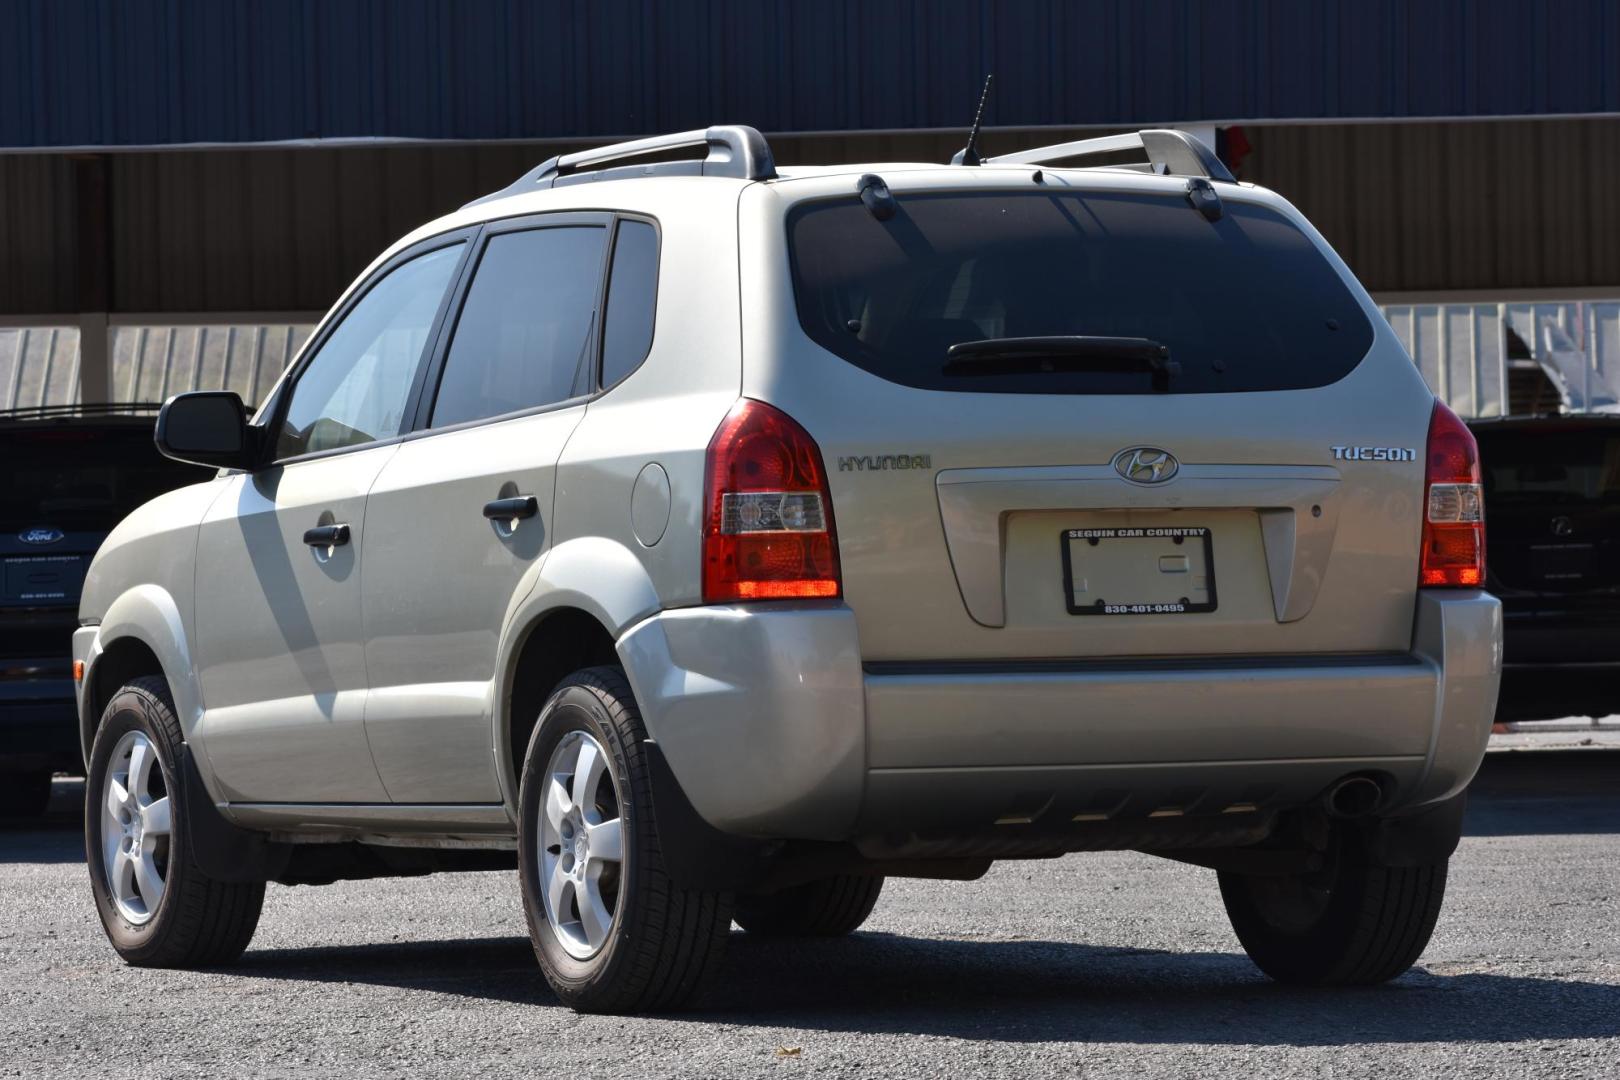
1146 464
40 536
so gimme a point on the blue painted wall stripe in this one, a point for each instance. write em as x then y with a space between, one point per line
145 72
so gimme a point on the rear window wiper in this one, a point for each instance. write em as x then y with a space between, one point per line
1069 352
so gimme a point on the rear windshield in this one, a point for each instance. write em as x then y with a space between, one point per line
1550 467
1244 303
82 479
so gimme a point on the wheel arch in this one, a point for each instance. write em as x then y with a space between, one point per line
588 592
141 633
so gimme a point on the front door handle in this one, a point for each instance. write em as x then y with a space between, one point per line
519 506
327 536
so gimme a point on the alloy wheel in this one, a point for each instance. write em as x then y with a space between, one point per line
581 845
135 827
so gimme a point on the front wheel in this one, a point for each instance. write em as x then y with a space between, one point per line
612 932
158 907
1352 923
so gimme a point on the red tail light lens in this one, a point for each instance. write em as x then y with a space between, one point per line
768 526
1453 506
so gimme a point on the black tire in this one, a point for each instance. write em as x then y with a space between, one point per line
25 794
664 943
830 907
198 922
1354 923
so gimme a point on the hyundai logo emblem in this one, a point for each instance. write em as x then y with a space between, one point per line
40 536
1146 464
1562 526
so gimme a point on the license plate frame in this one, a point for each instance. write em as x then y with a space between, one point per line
1068 537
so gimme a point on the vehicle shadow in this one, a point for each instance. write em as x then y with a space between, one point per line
1023 991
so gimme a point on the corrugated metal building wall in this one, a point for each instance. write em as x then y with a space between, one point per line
83 72
1494 205
1502 205
258 240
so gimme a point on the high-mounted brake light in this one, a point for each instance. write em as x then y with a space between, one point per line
1453 506
767 524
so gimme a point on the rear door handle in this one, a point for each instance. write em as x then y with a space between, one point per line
519 506
327 536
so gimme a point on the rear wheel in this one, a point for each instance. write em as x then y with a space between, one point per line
830 907
612 932
159 909
25 794
1353 923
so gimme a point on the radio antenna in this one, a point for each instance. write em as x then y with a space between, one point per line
969 154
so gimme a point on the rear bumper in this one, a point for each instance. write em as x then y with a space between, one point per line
774 728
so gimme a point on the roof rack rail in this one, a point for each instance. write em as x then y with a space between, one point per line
97 408
1172 152
733 150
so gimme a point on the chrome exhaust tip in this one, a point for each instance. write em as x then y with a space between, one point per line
1353 797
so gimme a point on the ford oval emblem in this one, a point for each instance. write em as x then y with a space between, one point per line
1146 465
40 536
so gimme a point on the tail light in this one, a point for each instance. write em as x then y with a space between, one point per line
1453 506
768 525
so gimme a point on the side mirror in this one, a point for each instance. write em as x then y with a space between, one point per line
205 427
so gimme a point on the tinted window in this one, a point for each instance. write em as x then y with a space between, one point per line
1243 303
632 297
82 478
1544 466
355 388
524 335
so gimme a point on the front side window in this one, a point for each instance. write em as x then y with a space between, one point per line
355 389
523 339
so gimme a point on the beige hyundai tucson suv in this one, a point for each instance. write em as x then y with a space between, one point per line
709 542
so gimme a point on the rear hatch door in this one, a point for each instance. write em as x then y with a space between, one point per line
1260 497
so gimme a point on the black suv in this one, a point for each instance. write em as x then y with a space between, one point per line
1552 495
68 474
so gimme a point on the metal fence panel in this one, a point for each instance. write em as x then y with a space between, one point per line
153 363
1462 350
39 365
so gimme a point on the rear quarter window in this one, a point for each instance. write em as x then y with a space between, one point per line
632 300
1245 303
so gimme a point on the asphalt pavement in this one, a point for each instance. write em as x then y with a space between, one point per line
1093 965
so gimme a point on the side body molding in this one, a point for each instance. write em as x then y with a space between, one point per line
973 504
